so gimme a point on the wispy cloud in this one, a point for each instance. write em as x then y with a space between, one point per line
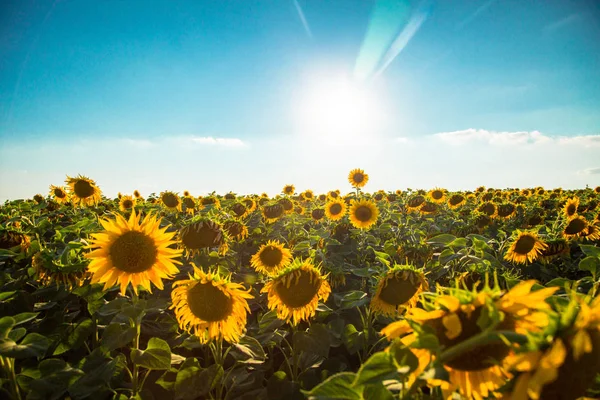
475 14
514 138
139 143
218 141
402 139
303 19
589 171
561 23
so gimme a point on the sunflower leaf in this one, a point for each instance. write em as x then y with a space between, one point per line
379 367
157 355
336 387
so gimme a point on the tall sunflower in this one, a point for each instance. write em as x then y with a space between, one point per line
437 195
130 251
211 306
250 204
415 202
575 227
170 201
358 178
59 194
488 208
363 213
126 203
271 258
398 289
137 194
336 209
83 191
570 208
307 195
526 247
295 292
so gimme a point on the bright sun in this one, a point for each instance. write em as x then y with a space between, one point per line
338 109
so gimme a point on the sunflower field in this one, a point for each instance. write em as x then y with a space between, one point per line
412 294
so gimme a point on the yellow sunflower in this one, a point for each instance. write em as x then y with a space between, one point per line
83 191
186 193
190 205
333 194
591 233
272 212
399 289
126 203
358 178
235 229
307 195
460 315
287 204
250 204
437 195
240 210
506 210
295 292
415 202
575 228
210 201
170 201
570 209
48 273
456 200
317 214
289 190
137 194
526 247
271 258
336 209
202 234
210 306
59 194
363 213
488 208
130 251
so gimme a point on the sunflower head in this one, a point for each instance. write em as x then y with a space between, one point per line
126 203
333 194
591 233
137 194
287 204
83 191
488 208
506 210
190 204
211 306
429 207
336 209
239 210
235 229
14 239
132 251
398 289
358 178
186 193
250 204
575 227
525 248
295 292
201 233
59 194
363 213
378 196
210 201
48 272
170 201
415 202
570 209
437 195
289 190
456 200
317 214
271 258
230 196
272 212
307 195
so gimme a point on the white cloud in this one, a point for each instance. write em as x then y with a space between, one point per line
229 142
589 171
513 138
402 140
140 143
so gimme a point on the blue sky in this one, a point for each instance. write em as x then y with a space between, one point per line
251 95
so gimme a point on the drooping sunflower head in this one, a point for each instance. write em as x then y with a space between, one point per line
358 178
250 204
190 204
398 289
14 239
333 194
210 201
363 213
379 196
295 292
591 233
47 272
506 210
126 203
271 258
391 197
239 210
456 200
201 233
555 248
317 214
132 251
437 195
170 201
526 247
575 227
287 204
336 209
570 209
83 191
235 229
59 194
415 202
211 306
230 196
272 212
137 194
429 207
488 208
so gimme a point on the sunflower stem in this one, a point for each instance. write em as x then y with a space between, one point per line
484 338
9 365
136 345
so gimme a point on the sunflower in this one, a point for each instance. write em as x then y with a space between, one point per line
555 248
575 228
211 306
570 209
190 204
415 202
295 292
428 207
186 193
336 209
287 204
391 197
271 258
170 201
307 195
83 191
132 251
506 210
488 208
240 210
202 234
456 200
322 197
460 315
126 203
235 229
591 233
317 214
48 273
137 194
59 194
358 178
289 190
230 196
272 212
363 213
298 209
399 289
10 239
250 205
210 201
379 196
526 247
333 194
437 195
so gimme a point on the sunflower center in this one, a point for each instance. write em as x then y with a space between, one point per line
456 199
358 177
83 189
208 302
363 213
318 213
398 291
575 226
127 203
301 291
437 194
170 200
480 357
274 211
335 209
271 256
133 252
198 238
59 193
524 245
233 228
189 203
571 209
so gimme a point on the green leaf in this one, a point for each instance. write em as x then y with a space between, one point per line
336 387
560 282
404 359
56 377
24 317
590 264
352 299
379 367
7 295
444 238
116 336
353 339
590 250
97 379
193 382
157 355
315 341
377 392
77 337
34 345
248 351
6 324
